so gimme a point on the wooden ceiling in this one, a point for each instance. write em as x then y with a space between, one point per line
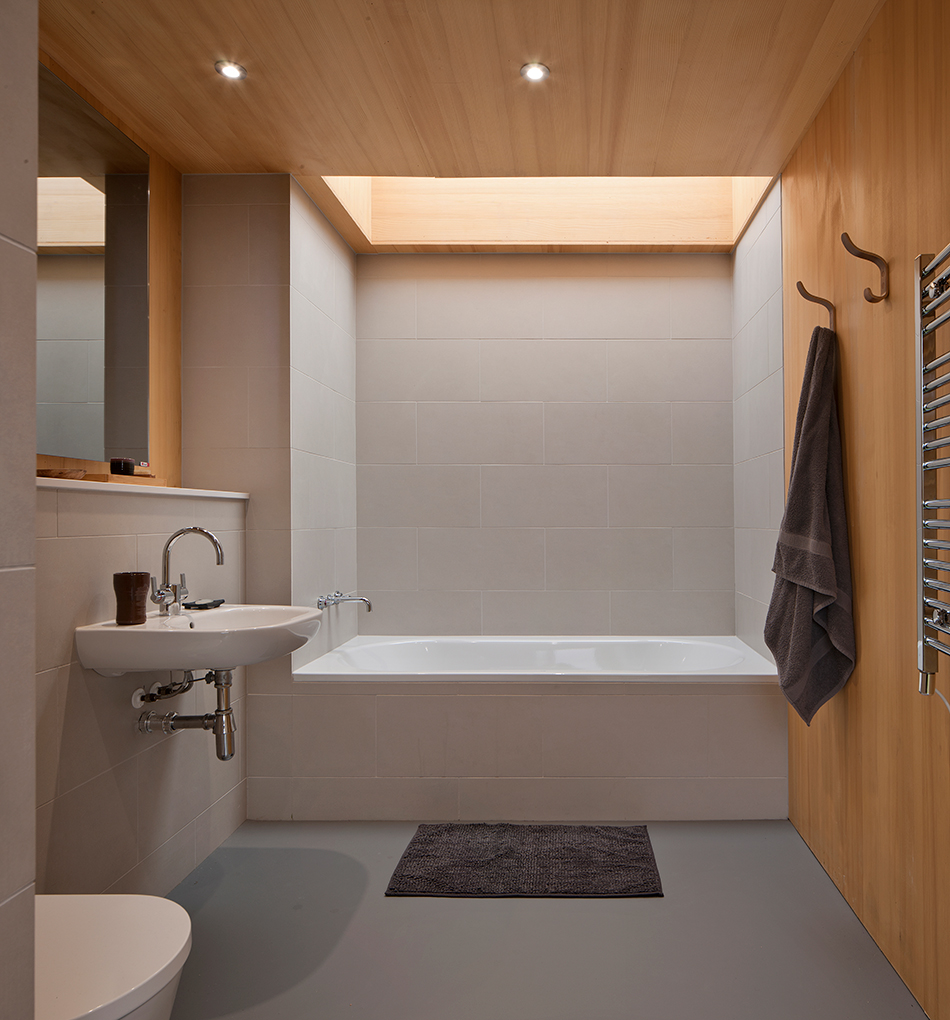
408 88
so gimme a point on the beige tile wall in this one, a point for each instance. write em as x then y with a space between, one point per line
544 444
322 419
18 45
759 442
118 810
403 753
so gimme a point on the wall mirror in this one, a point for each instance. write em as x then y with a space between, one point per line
92 282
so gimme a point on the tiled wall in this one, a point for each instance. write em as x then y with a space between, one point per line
70 364
322 418
118 810
18 115
403 750
544 444
759 415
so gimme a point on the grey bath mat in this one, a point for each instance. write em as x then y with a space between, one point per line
477 859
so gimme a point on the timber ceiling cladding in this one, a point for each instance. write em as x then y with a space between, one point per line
431 87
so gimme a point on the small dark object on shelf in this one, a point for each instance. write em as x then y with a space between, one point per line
203 604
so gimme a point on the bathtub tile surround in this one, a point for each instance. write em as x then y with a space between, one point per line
117 810
545 433
18 106
269 354
759 415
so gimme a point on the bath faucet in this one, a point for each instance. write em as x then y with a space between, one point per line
337 597
169 595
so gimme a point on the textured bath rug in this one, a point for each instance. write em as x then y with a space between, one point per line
478 859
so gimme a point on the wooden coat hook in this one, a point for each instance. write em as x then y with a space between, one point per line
871 257
818 301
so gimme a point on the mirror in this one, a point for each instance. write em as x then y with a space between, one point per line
92 282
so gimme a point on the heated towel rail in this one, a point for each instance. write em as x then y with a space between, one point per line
933 431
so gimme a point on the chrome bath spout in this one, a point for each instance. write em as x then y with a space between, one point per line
325 601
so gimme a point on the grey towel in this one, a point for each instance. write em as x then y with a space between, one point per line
809 627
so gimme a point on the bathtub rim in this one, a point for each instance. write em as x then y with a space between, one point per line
753 669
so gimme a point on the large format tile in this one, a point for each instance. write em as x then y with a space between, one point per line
417 370
17 758
422 800
703 558
476 308
334 735
386 432
86 839
673 612
456 559
702 432
480 433
608 308
669 370
458 736
387 558
602 433
423 612
631 735
602 559
418 496
162 869
543 370
235 324
385 309
546 612
681 496
215 245
748 735
551 496
16 955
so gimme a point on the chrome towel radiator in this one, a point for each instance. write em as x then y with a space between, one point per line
932 275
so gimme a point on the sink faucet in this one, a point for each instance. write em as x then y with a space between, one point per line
172 595
337 597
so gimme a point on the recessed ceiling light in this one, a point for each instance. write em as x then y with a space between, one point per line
535 72
230 70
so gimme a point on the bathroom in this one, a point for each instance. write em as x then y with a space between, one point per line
116 813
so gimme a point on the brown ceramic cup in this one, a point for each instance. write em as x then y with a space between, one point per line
131 592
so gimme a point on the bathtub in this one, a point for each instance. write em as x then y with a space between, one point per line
498 659
536 729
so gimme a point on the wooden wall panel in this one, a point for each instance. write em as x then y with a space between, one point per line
870 779
164 320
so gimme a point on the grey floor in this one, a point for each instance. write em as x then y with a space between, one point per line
290 923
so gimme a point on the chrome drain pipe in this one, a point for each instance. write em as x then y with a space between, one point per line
220 721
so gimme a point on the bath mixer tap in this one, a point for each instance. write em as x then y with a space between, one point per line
337 597
169 597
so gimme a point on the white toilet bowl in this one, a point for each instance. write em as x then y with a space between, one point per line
109 957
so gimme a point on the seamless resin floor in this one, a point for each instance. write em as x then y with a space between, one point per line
290 923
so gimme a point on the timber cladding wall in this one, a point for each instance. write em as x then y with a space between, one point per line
870 780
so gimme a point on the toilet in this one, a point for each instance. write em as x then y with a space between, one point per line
109 957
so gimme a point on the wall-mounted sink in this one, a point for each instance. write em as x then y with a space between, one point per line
213 639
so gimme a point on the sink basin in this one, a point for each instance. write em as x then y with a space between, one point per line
221 638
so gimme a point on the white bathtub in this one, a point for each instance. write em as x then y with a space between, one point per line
577 658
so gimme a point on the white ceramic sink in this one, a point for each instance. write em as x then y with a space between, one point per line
221 638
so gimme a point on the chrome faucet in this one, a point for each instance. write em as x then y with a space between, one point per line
337 597
172 595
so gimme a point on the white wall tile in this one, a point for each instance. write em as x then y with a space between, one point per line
601 559
387 558
551 496
672 612
432 496
703 558
544 370
417 370
679 496
669 370
606 309
602 433
385 309
386 432
545 612
480 433
453 308
702 432
457 559
701 309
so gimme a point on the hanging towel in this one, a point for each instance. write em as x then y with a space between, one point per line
810 627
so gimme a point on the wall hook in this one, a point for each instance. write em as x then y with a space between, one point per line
871 257
818 301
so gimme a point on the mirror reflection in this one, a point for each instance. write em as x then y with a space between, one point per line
92 282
